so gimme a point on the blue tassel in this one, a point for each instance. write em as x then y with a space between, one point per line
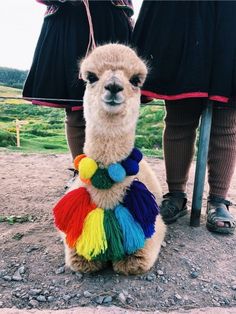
142 205
133 236
136 154
131 166
116 172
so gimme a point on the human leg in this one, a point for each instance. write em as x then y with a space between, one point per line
75 131
221 166
181 122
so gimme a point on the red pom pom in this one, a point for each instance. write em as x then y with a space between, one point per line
70 212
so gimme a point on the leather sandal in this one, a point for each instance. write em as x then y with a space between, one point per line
218 211
173 206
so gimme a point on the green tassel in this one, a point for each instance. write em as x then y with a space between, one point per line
115 250
101 179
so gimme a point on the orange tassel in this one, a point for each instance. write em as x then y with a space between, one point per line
70 212
77 160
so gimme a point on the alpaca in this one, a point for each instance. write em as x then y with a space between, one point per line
114 74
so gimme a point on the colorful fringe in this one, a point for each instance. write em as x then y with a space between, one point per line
107 234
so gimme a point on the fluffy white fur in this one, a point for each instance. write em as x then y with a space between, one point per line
110 135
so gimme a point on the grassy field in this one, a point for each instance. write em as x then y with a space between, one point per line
44 128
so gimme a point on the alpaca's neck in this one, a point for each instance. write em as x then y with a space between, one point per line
109 147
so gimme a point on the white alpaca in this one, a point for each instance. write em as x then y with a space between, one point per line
114 74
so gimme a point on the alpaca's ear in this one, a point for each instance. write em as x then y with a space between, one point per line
82 69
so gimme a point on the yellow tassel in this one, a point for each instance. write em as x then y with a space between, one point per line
87 168
92 241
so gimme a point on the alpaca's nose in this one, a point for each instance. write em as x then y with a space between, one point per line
114 87
112 94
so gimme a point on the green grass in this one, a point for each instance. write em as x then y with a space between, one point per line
44 131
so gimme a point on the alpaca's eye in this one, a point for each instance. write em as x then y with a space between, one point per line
135 80
92 77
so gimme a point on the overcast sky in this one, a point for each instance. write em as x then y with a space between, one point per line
20 24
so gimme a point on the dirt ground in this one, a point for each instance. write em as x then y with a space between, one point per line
196 268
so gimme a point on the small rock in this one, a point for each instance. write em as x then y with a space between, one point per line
60 270
214 302
17 276
107 299
21 270
226 301
163 244
33 303
34 292
160 272
178 297
66 297
31 249
151 277
7 278
24 296
51 298
67 281
87 294
194 274
122 297
1 304
99 299
41 298
233 287
216 287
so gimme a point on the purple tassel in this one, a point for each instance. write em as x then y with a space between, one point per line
131 166
142 205
136 154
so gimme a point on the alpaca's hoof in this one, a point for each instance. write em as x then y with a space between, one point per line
79 264
133 264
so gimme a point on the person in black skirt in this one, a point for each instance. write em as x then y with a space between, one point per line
69 30
190 47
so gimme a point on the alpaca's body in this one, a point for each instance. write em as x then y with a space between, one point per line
110 135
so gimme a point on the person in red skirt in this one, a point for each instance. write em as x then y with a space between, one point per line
190 47
70 29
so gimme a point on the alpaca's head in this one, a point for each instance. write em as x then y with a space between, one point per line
113 74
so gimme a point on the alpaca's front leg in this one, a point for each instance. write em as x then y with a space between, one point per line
142 260
79 263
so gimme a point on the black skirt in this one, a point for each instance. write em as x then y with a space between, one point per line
63 41
190 47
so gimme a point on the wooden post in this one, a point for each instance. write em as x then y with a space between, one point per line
201 164
17 133
18 126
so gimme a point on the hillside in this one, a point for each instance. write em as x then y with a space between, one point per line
12 77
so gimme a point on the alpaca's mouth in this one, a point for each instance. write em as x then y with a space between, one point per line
113 100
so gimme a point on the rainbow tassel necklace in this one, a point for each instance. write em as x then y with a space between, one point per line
107 234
